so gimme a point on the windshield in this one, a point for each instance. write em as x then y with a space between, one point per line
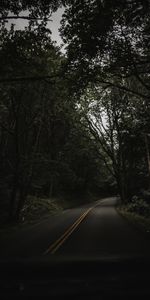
74 130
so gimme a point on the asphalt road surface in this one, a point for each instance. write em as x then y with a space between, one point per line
94 230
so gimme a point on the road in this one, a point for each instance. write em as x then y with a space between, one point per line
95 230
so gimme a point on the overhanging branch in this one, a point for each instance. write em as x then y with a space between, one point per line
24 18
30 78
110 84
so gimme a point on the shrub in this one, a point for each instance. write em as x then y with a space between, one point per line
139 206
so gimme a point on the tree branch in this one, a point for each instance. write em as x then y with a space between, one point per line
30 78
24 18
5 128
123 88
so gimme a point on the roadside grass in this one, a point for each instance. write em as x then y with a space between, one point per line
140 222
38 209
35 210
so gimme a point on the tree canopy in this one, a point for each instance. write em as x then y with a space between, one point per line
107 37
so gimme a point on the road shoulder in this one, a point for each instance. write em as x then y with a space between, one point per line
141 223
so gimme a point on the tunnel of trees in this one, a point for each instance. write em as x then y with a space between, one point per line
77 121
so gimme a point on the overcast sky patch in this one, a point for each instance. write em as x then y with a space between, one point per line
54 25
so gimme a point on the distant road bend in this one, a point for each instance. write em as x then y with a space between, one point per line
95 230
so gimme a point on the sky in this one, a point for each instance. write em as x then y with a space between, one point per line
54 25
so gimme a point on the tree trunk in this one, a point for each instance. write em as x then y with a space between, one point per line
148 156
16 171
121 187
21 202
13 200
51 187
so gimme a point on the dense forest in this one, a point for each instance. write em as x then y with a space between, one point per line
76 121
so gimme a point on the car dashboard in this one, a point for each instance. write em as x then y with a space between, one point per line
62 278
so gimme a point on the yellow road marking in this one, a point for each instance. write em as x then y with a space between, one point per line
56 245
62 236
71 231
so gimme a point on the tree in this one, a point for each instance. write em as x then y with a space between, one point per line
108 52
115 123
24 106
106 39
43 146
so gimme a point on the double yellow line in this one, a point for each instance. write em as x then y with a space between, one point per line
58 243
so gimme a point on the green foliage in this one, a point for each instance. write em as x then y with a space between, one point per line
27 107
108 58
139 206
91 26
35 208
106 39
